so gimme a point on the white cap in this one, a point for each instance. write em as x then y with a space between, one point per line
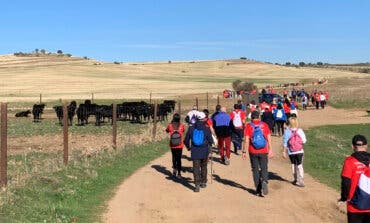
201 115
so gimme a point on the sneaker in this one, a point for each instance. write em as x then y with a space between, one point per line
258 193
203 185
197 188
227 161
178 176
300 184
265 189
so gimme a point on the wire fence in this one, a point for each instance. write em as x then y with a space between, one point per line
47 145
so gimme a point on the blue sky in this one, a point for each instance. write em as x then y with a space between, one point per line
335 31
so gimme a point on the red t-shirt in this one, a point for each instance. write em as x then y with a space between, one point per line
181 130
242 116
286 108
248 132
209 122
352 169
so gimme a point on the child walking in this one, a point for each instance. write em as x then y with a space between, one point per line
176 130
293 141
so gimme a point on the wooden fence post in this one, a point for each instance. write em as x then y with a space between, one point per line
207 101
4 146
218 99
179 108
65 133
92 97
155 120
114 119
197 103
150 98
40 98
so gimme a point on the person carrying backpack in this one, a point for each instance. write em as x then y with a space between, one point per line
355 175
258 143
238 117
191 117
293 141
222 125
176 130
280 118
198 140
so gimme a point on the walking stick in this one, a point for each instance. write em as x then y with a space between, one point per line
211 164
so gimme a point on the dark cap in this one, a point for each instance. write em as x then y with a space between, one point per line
359 140
255 115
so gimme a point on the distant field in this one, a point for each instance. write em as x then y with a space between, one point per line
25 78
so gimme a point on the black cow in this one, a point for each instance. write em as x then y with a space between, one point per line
71 111
84 111
171 103
37 111
23 113
102 112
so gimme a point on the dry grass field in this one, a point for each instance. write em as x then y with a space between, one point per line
25 78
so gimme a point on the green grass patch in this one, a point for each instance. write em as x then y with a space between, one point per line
351 103
327 148
77 192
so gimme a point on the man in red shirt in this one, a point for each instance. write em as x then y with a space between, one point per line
354 166
258 156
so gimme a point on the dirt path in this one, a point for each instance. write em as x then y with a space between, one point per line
152 195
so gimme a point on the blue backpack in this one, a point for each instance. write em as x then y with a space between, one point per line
258 140
198 137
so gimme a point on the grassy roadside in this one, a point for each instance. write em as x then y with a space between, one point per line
326 149
76 193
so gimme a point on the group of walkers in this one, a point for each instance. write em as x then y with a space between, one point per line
253 136
317 98
248 135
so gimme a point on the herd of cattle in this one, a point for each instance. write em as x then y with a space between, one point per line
136 112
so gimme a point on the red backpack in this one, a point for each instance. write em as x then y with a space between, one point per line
295 142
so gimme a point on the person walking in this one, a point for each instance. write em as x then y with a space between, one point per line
355 172
304 101
176 131
293 141
280 118
221 124
268 118
191 117
238 118
258 143
198 140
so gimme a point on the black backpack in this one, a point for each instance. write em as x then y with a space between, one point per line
175 138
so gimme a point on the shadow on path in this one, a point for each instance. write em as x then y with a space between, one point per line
183 180
232 184
274 176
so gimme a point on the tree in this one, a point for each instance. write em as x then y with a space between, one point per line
43 51
288 64
319 63
59 52
37 51
302 64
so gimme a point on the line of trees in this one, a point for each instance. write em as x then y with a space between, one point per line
41 52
